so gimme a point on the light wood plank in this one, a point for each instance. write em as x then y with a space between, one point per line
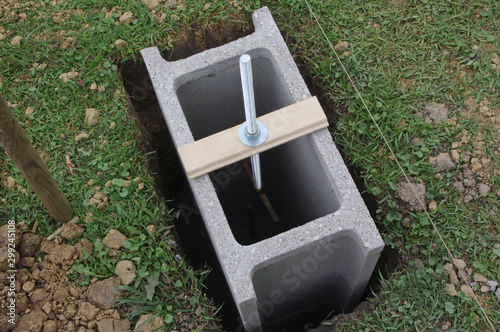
225 148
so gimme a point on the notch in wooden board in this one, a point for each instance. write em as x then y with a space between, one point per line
224 148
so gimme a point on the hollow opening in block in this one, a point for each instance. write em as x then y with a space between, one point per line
212 98
293 176
311 283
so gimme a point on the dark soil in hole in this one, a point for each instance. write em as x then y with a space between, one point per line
171 183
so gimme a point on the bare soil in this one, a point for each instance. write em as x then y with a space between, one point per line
45 297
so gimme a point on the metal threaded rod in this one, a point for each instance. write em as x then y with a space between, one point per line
252 128
248 94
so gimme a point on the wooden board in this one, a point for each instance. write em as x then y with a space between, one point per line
18 147
225 148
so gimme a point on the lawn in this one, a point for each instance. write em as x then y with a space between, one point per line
429 72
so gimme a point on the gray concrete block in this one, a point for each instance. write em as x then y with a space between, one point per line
324 257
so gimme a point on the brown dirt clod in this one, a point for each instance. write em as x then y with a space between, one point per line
103 293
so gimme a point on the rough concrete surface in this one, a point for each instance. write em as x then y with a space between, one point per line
324 261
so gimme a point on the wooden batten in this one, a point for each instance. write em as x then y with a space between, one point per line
224 148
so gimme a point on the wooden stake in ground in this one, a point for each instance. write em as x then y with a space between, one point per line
18 147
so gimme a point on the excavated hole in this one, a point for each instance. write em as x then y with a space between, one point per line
171 183
293 178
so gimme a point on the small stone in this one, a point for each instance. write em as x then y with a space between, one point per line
105 325
83 248
11 182
480 278
442 161
46 247
91 116
50 326
71 231
29 111
93 86
151 325
29 244
28 261
448 267
114 239
61 254
459 264
497 294
4 236
119 43
475 165
16 40
433 206
437 112
28 287
88 311
495 61
81 136
454 278
32 321
151 228
47 307
103 293
150 3
455 155
69 41
341 46
468 198
484 189
125 270
467 290
61 294
39 295
113 325
65 77
405 191
492 285
485 289
113 253
112 125
126 18
450 290
170 3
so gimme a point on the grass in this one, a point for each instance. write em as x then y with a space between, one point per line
79 36
403 55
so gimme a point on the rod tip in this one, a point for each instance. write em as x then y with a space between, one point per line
245 58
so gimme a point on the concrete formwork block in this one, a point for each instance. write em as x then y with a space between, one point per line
322 260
